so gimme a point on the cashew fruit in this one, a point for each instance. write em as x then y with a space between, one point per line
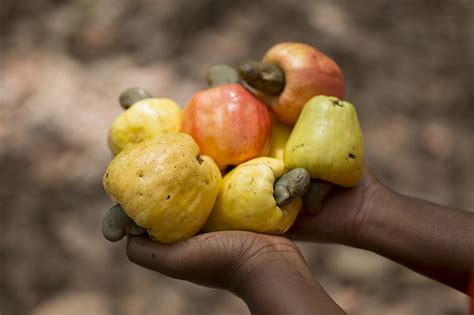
164 185
246 201
290 74
145 119
327 141
229 123
280 135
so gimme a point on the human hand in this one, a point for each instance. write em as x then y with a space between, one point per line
224 260
268 272
431 239
344 214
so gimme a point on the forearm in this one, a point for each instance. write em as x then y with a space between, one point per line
433 240
281 290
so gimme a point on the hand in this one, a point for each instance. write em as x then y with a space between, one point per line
344 213
434 240
268 272
224 260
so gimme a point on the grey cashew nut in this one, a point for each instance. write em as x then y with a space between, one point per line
290 186
117 224
221 74
313 198
132 95
265 77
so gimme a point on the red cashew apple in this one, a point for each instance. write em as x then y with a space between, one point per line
229 123
289 75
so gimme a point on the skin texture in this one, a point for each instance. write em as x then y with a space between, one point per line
328 142
434 240
308 72
164 185
471 291
317 191
270 275
144 120
241 124
246 202
268 272
441 247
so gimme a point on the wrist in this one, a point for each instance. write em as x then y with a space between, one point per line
266 265
376 202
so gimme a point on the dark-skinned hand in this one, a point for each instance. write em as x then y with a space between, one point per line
268 272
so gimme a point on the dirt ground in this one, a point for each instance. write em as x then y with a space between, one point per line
409 71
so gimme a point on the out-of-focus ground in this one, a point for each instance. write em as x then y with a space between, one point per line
409 70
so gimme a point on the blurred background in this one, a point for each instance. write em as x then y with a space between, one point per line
409 71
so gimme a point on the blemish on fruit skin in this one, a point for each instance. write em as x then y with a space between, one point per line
299 146
337 103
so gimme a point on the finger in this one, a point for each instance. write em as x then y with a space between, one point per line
166 259
304 228
312 228
313 198
182 259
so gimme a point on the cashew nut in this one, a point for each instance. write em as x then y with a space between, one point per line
133 95
221 74
117 224
265 77
291 185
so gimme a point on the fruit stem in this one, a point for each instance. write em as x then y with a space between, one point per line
117 224
291 186
265 77
221 74
317 191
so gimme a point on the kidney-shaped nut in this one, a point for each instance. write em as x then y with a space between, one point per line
132 95
291 185
116 224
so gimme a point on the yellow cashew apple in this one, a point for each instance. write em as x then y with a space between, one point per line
279 137
245 200
145 119
164 185
327 141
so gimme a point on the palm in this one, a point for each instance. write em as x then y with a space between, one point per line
214 259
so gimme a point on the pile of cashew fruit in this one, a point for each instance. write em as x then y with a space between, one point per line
265 141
